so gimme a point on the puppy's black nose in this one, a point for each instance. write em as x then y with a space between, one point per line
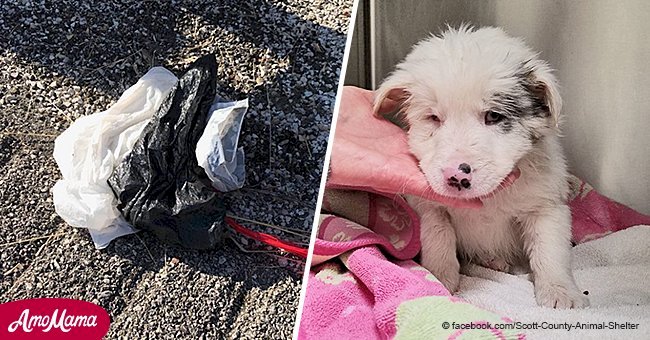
464 167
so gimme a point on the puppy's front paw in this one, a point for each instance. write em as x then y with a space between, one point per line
448 275
450 280
558 296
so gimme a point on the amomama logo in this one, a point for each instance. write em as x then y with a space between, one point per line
52 318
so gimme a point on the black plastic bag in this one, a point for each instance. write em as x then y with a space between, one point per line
159 185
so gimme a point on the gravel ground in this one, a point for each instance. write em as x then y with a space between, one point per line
64 59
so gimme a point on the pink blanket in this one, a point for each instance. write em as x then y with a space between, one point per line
363 282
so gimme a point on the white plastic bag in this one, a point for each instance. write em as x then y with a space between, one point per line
216 150
88 151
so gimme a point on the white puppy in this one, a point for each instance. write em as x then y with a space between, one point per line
481 110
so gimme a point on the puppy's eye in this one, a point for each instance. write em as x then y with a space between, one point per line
492 118
434 118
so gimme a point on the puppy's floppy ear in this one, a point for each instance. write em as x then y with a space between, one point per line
543 84
390 100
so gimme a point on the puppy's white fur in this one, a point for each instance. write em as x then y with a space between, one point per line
445 87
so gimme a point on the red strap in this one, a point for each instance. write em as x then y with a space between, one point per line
268 239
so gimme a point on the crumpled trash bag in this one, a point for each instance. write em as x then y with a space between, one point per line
216 150
159 185
88 151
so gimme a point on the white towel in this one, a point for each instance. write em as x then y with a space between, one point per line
615 270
